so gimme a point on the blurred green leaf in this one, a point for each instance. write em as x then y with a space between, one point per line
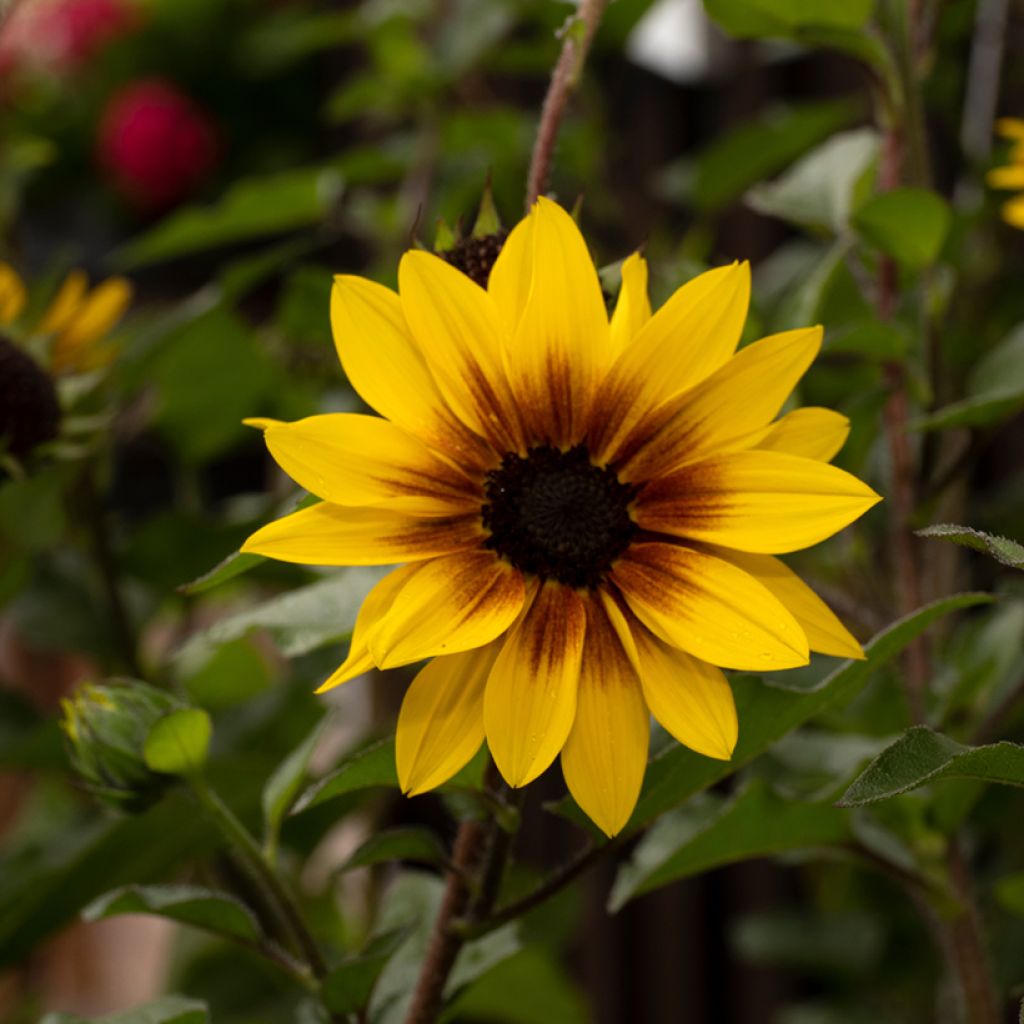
210 374
1009 892
920 756
251 208
821 190
372 766
757 823
1002 549
413 844
202 908
299 621
347 989
32 511
754 18
165 1010
179 742
236 564
280 38
909 224
530 987
233 673
283 786
755 150
768 712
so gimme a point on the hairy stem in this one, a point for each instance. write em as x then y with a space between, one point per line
576 42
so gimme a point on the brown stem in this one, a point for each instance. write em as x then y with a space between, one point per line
563 79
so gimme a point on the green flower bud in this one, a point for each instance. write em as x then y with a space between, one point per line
106 729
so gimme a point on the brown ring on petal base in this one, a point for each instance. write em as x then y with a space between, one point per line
555 515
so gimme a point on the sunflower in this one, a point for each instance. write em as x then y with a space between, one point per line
1012 175
588 511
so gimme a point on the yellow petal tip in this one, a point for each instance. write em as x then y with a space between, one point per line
260 422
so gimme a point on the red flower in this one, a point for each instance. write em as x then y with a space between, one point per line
156 144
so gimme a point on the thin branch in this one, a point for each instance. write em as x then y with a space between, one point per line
577 38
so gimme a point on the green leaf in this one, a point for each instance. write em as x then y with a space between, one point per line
727 168
283 786
821 190
202 908
757 823
768 712
754 18
1009 892
299 621
232 674
921 756
413 844
251 208
166 1010
348 988
179 742
372 766
234 565
910 224
31 512
1002 549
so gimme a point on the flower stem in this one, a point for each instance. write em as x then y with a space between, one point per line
278 900
576 42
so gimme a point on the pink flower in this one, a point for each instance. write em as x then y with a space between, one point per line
61 36
156 144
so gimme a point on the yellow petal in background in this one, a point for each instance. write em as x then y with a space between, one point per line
12 293
1010 127
531 694
448 605
755 501
327 534
561 345
811 432
350 459
605 756
65 303
441 724
724 411
709 608
825 633
1013 212
633 307
1011 176
376 604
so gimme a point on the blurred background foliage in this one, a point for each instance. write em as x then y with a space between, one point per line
229 156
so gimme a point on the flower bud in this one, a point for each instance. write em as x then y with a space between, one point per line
106 729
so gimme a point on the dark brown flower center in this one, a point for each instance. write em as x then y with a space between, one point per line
556 515
476 256
29 410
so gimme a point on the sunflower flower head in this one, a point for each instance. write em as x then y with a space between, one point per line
586 511
1011 175
476 253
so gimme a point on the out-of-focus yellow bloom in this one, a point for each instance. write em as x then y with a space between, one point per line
1011 175
78 319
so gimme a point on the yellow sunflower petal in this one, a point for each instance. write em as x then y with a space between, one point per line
825 633
605 756
12 293
65 303
754 501
1010 127
709 608
96 315
690 698
562 342
386 368
1013 212
531 693
688 338
1006 177
511 276
723 411
350 459
374 606
448 605
441 724
455 323
811 433
327 534
633 308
